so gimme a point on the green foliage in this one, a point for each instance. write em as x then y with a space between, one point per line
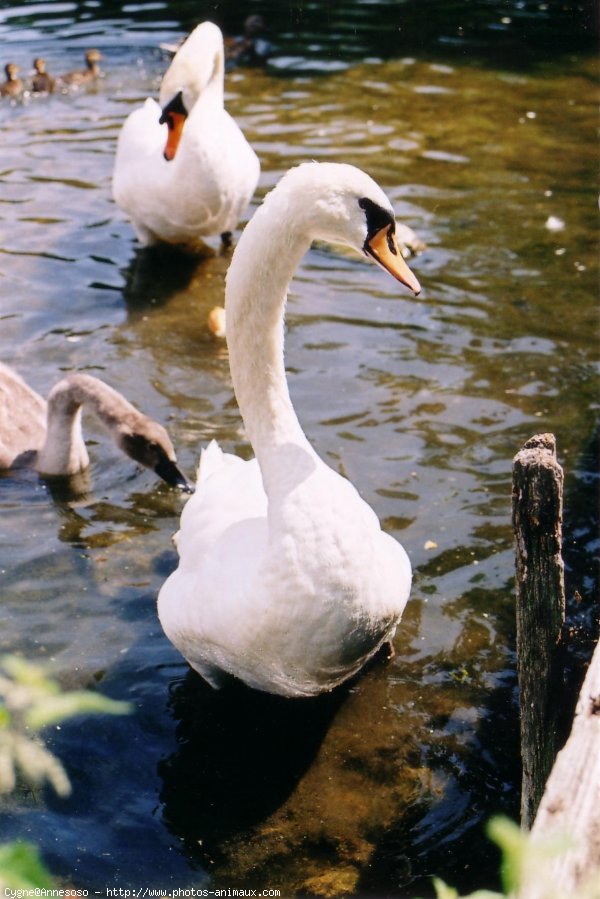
443 891
22 868
30 701
513 845
520 856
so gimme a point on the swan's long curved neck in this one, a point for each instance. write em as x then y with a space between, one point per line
212 93
198 70
257 283
64 451
216 85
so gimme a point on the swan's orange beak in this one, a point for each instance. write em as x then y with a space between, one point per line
175 122
385 251
173 116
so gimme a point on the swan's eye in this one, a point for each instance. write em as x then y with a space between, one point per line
393 246
382 247
378 220
173 111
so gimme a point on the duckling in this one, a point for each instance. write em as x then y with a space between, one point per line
247 48
87 75
42 82
13 86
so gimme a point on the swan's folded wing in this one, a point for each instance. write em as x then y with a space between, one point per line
140 144
212 460
221 542
141 132
22 419
229 492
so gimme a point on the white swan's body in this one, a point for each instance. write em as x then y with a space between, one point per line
285 578
212 173
48 435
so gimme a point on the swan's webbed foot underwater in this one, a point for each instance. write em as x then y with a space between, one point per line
387 651
382 657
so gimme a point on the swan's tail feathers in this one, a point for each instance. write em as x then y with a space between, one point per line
212 675
213 459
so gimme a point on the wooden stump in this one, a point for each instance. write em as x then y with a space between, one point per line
569 812
537 526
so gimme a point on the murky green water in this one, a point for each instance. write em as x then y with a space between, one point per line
421 403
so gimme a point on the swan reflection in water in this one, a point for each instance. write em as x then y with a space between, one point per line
240 755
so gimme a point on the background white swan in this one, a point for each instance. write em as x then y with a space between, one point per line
48 435
285 577
184 170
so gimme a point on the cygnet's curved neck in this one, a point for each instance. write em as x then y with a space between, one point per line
64 451
265 259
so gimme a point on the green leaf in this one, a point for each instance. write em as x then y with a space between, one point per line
28 675
511 840
485 894
443 891
22 868
53 709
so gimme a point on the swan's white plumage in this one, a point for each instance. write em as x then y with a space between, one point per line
285 578
207 186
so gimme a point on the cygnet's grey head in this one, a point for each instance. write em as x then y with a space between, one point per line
149 444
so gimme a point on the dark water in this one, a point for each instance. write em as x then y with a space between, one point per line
479 121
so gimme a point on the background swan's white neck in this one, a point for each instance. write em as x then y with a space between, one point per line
257 281
198 69
212 90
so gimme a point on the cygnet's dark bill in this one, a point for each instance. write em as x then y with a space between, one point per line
169 472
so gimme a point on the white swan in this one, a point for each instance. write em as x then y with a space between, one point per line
285 577
48 437
184 170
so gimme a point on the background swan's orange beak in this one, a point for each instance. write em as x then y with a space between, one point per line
176 122
384 250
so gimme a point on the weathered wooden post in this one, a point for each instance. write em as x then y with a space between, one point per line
537 526
569 812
